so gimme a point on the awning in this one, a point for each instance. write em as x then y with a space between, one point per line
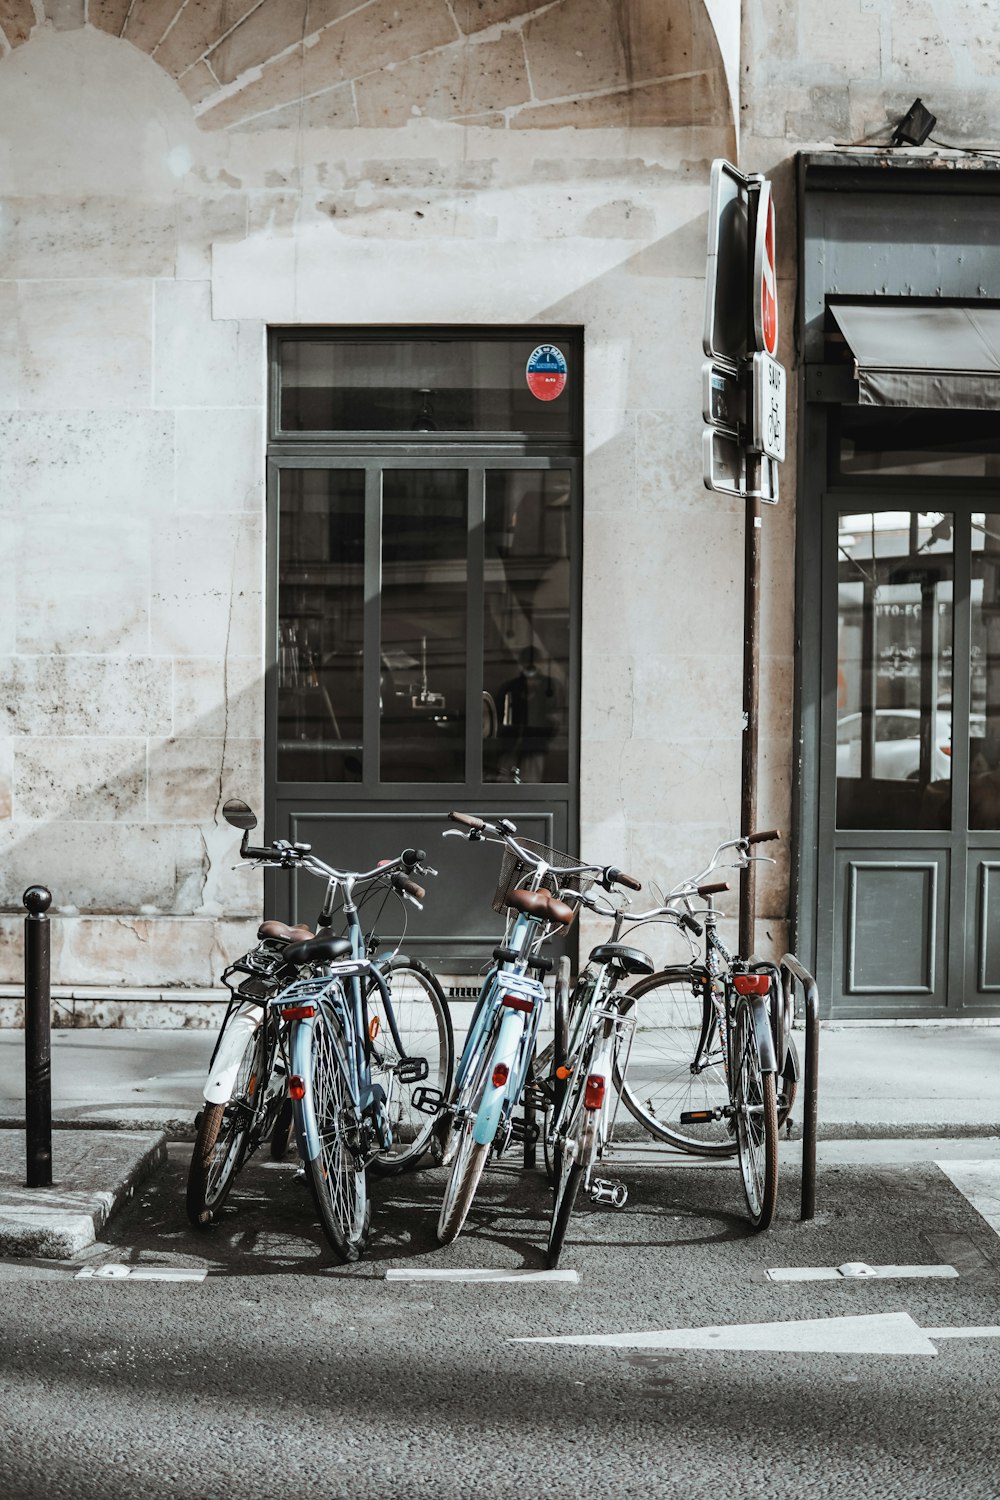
924 356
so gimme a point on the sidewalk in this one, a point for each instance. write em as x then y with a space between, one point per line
876 1083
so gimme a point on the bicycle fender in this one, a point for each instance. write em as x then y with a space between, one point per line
791 1068
306 1133
505 1051
232 1044
762 1031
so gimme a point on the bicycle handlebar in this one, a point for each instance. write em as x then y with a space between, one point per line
770 837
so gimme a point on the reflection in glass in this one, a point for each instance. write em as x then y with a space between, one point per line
526 626
320 610
423 640
984 719
895 592
420 386
893 441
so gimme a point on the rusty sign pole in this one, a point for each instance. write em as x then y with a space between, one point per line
751 699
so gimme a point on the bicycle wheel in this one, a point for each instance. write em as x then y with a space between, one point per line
425 1029
469 1157
336 1174
224 1132
756 1121
572 1161
668 1009
553 1057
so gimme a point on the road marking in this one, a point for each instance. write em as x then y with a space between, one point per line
876 1333
979 1182
141 1273
856 1270
481 1275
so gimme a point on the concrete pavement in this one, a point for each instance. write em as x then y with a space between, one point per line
893 1083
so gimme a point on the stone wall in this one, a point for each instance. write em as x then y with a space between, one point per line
162 201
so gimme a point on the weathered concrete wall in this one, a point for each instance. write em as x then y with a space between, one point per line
147 248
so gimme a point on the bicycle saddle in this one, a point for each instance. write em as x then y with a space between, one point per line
317 950
282 933
543 906
631 960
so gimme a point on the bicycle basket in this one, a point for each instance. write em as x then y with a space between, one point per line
514 871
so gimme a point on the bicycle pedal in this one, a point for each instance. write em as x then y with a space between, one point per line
524 1133
412 1069
427 1101
699 1116
605 1190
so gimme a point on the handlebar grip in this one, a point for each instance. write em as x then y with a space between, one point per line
686 920
411 857
249 853
404 883
618 877
764 838
467 820
714 888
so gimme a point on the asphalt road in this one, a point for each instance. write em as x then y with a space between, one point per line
285 1373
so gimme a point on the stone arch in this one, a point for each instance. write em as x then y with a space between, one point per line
505 64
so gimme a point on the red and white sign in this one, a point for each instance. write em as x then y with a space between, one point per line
765 280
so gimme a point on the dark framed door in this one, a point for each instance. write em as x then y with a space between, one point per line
909 785
424 610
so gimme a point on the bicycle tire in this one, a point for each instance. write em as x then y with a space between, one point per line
338 1184
469 1158
224 1132
668 1008
756 1122
281 1133
570 1170
425 1028
557 1085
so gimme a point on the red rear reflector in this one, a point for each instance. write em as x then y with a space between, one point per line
500 1075
518 1002
752 984
593 1094
296 1087
945 749
298 1012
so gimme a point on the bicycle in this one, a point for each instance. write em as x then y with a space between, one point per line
332 1030
714 1069
477 1118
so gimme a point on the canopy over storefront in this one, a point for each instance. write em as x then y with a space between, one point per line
924 356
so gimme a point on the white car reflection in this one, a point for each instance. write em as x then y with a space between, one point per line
897 744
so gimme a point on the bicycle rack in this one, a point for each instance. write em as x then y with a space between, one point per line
791 970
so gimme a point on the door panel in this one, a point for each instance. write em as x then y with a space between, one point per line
895 925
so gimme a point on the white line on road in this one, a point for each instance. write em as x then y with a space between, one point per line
480 1275
141 1273
875 1333
856 1270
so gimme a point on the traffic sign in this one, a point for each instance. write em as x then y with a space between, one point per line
765 280
726 272
723 462
723 403
768 433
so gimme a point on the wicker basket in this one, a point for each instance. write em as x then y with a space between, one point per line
514 871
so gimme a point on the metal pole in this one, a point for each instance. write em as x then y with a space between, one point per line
751 696
37 1038
791 970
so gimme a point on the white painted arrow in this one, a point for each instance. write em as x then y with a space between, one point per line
876 1333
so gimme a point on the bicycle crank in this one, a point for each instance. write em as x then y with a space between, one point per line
606 1190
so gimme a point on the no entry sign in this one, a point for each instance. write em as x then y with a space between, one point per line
765 280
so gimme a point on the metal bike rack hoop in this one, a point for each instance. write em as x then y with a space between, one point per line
791 970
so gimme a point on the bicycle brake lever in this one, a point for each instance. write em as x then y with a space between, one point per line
427 869
418 904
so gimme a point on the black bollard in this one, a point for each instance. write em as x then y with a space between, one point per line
37 1037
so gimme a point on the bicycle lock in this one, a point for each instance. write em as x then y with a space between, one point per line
37 1037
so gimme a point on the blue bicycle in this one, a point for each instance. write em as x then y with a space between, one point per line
538 890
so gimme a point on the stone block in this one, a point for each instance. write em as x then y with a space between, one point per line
213 697
66 15
85 695
198 83
83 584
206 586
270 29
687 688
220 460
607 696
6 779
473 79
333 109
148 21
480 15
18 19
203 222
610 476
202 362
66 237
678 780
9 362
90 351
84 780
699 100
190 777
108 15
137 951
196 30
71 464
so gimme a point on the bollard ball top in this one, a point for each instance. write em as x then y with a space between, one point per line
37 899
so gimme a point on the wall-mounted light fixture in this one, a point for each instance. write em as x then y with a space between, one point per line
915 126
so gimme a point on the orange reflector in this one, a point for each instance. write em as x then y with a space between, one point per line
518 1002
296 1087
298 1012
252 1084
593 1094
751 984
500 1075
374 1027
562 1072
